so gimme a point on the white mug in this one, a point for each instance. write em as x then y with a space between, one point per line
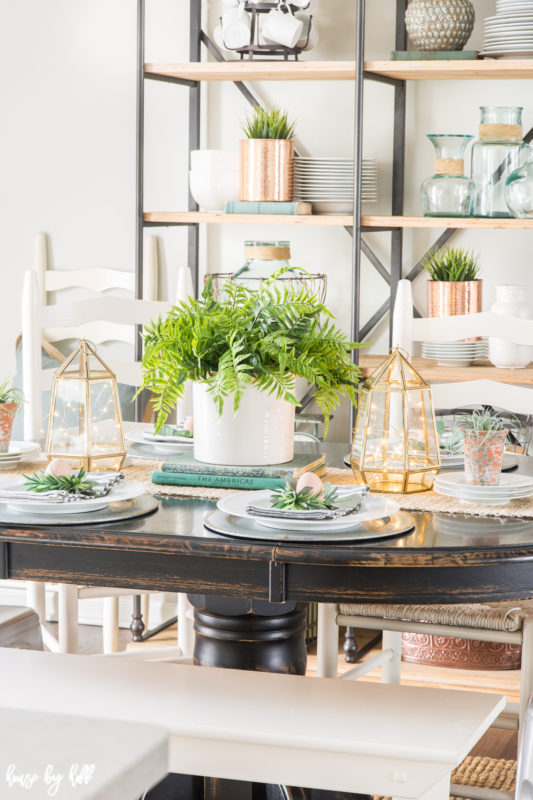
236 24
282 28
301 3
230 3
313 36
218 36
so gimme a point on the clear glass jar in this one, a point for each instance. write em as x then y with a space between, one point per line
448 193
261 258
499 151
519 190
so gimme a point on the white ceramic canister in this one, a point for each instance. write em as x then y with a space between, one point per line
260 433
511 300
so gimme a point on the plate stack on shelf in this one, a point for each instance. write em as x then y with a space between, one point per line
456 354
510 33
18 453
510 487
328 183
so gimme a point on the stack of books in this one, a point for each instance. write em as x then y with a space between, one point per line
184 470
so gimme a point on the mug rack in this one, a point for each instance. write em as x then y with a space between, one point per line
254 50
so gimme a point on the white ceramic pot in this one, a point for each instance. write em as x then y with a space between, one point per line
213 189
226 160
511 301
261 432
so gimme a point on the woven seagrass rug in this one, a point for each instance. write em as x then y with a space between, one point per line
483 773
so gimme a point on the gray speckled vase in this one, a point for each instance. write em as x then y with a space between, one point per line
439 24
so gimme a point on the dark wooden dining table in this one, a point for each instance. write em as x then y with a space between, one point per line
250 597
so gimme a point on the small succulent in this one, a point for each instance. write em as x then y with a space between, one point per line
287 497
10 394
482 421
452 264
73 484
268 125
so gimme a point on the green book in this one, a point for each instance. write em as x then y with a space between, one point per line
220 481
307 459
433 55
262 207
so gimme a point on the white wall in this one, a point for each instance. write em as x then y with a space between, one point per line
67 150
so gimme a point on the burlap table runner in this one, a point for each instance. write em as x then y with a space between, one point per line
141 471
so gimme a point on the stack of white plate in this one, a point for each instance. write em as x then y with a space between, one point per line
510 33
328 183
510 487
456 354
18 453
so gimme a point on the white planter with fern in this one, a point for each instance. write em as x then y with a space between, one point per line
261 431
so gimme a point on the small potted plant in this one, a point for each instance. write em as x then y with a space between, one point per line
485 435
10 401
266 156
243 352
453 286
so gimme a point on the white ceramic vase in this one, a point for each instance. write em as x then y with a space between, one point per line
261 432
510 301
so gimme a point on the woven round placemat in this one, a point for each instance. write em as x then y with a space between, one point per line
483 773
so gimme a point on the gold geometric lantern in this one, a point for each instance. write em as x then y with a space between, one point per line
85 423
395 446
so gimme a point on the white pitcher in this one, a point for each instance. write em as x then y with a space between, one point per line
511 300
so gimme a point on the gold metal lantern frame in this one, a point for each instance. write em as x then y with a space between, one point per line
85 421
395 446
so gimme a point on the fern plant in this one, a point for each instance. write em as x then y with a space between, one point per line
268 125
263 337
452 264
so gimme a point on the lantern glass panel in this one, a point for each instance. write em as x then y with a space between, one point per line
104 427
68 433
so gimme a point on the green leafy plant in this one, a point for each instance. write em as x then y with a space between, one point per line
73 484
10 394
268 125
287 497
452 264
263 337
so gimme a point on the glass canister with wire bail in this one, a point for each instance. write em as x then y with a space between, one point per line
499 151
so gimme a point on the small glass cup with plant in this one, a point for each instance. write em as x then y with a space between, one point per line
267 155
11 398
485 434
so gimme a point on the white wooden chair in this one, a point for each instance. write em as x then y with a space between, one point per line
510 622
102 318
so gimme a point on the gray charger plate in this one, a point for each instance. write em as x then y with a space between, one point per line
240 527
114 512
510 462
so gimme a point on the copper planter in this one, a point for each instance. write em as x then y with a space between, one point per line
266 169
444 651
451 298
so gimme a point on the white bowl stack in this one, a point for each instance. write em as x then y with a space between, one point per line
510 33
328 183
214 178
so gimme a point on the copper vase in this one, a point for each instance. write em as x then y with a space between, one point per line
266 169
451 298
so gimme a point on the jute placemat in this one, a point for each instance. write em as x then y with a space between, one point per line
484 773
433 502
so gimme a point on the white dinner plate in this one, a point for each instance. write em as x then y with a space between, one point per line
508 483
374 507
126 490
161 448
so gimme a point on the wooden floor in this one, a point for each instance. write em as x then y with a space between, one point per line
495 744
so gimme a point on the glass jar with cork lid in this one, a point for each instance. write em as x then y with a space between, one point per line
499 151
448 193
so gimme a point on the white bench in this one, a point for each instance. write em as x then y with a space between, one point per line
51 755
314 732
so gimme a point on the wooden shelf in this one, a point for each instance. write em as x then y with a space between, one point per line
256 71
492 69
431 371
193 217
446 222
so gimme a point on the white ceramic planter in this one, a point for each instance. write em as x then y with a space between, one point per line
511 301
262 431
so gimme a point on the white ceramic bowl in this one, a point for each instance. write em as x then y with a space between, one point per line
228 160
213 189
